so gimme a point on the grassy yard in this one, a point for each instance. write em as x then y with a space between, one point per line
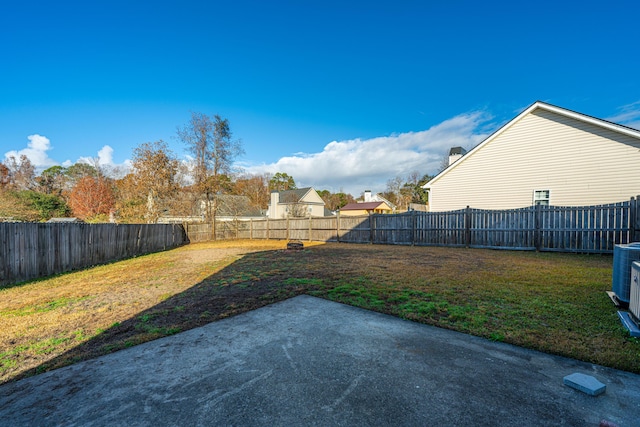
550 302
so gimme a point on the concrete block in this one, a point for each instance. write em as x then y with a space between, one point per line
585 383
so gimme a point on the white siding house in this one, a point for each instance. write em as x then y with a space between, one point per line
302 202
546 155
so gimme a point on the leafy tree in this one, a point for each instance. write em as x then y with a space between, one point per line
91 197
130 206
5 176
155 169
281 182
255 187
210 141
29 205
335 201
52 180
412 191
13 207
402 192
47 205
77 171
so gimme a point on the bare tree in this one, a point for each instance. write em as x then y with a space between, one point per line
255 187
209 140
21 172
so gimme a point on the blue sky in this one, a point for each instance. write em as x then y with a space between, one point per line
338 94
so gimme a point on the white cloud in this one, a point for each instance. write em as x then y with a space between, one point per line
105 155
105 161
629 115
355 165
36 152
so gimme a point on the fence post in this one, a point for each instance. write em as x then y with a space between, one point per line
288 229
413 228
372 230
634 220
537 224
310 228
467 226
338 228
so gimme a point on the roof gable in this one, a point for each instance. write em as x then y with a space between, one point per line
300 195
535 106
378 197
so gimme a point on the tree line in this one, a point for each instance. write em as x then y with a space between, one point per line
159 184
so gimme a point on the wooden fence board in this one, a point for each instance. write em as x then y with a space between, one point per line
29 250
585 229
32 250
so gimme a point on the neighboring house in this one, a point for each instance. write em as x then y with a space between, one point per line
228 207
365 208
546 155
231 207
302 202
368 197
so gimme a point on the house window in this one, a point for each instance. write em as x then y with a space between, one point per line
541 197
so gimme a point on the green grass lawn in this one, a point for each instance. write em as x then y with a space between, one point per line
551 302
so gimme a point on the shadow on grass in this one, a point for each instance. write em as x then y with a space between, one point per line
547 302
256 280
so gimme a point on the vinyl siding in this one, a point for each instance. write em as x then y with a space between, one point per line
310 200
580 163
354 212
382 208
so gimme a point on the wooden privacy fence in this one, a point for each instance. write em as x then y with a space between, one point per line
32 250
588 229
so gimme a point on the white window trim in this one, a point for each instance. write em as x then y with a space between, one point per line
541 196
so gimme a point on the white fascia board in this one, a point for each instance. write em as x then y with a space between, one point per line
591 120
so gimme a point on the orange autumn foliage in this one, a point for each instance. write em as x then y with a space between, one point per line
91 196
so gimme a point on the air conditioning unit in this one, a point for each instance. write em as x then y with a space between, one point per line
631 319
634 291
623 256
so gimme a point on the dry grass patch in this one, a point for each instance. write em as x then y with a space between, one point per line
551 302
44 319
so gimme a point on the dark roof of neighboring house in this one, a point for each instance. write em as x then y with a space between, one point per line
293 196
233 205
65 220
361 206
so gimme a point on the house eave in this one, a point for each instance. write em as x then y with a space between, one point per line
544 106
